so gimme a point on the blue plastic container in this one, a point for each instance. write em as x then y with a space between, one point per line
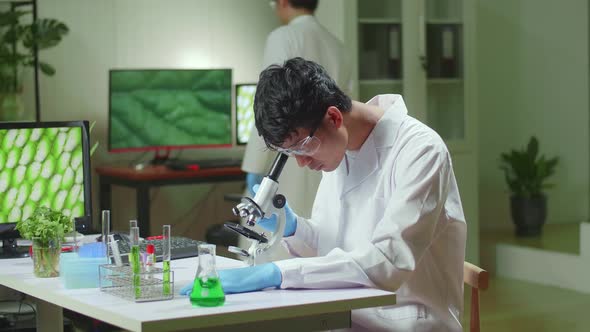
77 272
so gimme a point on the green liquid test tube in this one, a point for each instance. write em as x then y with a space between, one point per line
132 223
166 259
134 260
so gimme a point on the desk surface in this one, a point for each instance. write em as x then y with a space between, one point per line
161 172
178 314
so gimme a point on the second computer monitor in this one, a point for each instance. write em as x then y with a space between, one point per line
244 111
153 109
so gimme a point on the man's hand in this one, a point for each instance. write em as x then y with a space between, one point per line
270 224
253 179
246 279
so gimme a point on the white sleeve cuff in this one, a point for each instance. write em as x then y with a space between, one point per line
303 243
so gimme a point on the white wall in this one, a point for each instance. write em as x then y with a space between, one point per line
340 18
533 80
109 34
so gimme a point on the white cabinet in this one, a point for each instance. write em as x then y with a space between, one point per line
422 49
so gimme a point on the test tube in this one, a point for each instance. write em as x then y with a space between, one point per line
115 250
75 233
166 259
106 228
134 261
132 223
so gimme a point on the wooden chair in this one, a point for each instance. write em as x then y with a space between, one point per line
478 279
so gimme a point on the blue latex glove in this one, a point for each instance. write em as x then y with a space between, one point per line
187 289
253 179
270 224
246 279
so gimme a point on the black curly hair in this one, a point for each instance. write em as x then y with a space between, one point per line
292 96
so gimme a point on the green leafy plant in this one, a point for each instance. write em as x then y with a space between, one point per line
526 172
46 228
45 224
18 42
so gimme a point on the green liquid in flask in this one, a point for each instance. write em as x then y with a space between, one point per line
207 292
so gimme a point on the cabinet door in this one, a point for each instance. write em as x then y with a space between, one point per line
444 65
380 47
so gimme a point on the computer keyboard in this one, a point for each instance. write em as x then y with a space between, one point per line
180 247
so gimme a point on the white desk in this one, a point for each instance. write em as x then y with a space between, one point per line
284 310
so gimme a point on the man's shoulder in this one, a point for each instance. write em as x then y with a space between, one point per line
307 27
278 33
421 133
279 30
415 137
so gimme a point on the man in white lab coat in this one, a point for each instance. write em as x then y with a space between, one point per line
387 212
300 36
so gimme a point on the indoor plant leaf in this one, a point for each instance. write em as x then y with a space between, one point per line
46 68
18 42
44 33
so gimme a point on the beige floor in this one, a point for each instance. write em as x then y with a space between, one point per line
563 238
513 305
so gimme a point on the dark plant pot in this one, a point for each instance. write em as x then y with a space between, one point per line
528 214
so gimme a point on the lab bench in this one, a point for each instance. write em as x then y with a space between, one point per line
268 310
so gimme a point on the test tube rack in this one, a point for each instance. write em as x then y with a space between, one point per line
142 287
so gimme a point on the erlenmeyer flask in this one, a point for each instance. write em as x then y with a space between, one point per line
207 291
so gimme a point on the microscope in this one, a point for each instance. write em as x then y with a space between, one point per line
266 203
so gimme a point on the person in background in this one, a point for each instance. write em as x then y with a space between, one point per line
300 36
387 213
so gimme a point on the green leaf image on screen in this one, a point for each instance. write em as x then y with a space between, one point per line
38 168
244 111
158 108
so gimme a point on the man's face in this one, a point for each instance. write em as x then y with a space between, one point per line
280 9
325 157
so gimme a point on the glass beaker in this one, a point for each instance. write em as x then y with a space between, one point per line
207 291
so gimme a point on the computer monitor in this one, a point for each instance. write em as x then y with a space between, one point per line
42 164
165 109
244 111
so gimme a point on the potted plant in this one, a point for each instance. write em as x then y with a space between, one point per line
46 228
526 173
18 43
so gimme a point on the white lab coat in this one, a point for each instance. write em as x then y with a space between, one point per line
393 220
305 37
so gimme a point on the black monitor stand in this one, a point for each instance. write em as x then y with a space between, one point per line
11 250
161 156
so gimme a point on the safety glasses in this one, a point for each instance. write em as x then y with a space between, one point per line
304 147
